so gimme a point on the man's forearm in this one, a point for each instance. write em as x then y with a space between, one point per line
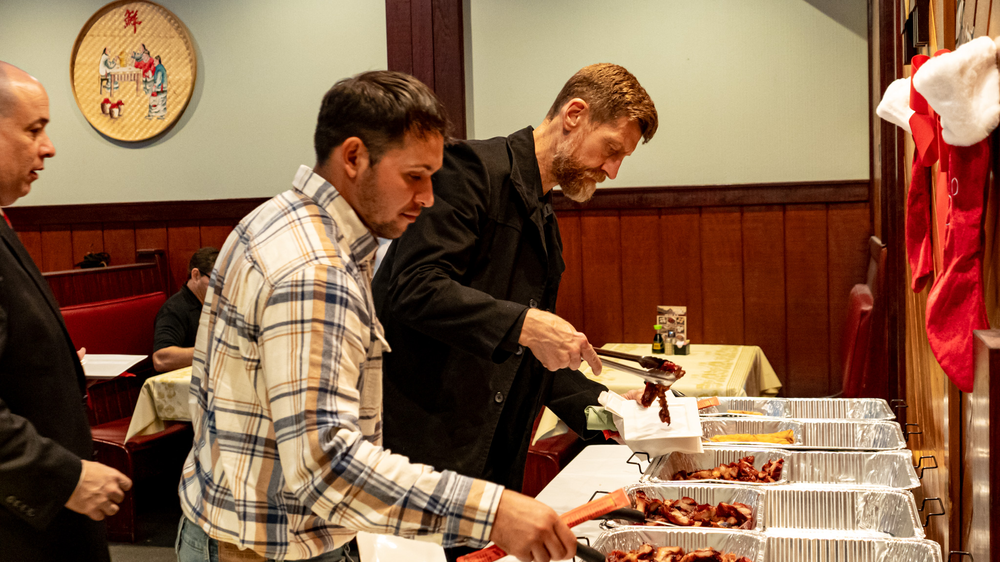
172 358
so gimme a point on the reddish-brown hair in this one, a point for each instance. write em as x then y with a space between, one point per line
612 93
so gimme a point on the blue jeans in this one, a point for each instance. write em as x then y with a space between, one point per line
193 545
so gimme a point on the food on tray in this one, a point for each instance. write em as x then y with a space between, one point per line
744 412
672 554
786 437
738 471
686 512
657 391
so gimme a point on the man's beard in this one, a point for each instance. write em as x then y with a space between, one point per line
370 206
577 181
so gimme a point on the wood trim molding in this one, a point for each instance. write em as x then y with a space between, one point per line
154 211
232 210
720 195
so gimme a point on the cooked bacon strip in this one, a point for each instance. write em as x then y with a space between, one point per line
741 470
650 553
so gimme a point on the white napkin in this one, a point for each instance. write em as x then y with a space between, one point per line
642 430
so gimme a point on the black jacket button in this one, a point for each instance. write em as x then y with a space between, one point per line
498 398
533 303
520 350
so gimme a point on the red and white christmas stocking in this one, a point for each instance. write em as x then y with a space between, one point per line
963 87
956 305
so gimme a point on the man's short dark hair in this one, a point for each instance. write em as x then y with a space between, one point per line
203 260
612 92
379 107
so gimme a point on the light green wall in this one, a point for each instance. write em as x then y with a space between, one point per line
747 91
263 67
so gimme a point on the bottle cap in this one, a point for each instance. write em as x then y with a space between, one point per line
657 327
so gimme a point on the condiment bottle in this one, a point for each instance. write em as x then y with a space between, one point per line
658 346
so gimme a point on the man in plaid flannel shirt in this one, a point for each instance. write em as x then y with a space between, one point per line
286 389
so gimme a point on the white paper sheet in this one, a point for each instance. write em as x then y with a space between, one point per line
97 366
642 430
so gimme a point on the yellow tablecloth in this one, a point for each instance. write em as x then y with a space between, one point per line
163 397
710 370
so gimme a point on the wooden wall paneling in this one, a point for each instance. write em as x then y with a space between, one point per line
764 282
119 242
57 248
422 38
570 303
86 240
449 61
183 239
680 251
722 274
151 236
32 240
398 36
214 233
848 231
641 255
806 267
600 238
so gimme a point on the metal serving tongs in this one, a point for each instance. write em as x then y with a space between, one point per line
653 371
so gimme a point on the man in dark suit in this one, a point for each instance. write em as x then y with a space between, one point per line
52 497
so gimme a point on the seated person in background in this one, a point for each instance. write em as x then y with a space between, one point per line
177 321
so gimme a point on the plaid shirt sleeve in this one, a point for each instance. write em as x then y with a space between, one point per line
316 344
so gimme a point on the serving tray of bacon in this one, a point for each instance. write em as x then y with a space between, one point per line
662 544
696 505
767 467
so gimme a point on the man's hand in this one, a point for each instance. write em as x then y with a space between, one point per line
531 530
556 343
100 490
634 394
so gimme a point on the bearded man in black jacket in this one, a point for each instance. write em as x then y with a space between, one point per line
467 294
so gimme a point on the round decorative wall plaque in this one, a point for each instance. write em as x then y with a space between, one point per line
133 70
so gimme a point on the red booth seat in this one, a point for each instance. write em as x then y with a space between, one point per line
125 326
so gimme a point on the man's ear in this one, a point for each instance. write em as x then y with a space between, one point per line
195 274
353 156
575 113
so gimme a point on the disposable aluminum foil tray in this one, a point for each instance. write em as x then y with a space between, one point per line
832 546
712 494
662 469
741 543
883 512
805 408
812 434
893 469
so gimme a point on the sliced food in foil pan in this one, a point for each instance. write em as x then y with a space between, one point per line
708 496
853 468
873 435
802 408
882 512
749 544
834 546
684 466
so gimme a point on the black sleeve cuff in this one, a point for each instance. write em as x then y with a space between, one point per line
508 345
